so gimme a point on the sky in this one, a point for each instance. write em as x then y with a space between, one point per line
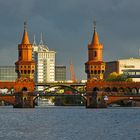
67 28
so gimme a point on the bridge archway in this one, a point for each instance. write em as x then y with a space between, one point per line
96 89
61 89
119 100
139 91
114 89
128 90
108 89
8 99
61 95
134 91
121 89
24 89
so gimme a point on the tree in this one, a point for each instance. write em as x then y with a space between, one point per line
117 77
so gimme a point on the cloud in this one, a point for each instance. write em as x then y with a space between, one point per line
67 27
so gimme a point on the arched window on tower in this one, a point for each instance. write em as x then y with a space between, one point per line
20 54
24 71
95 53
102 71
95 72
28 71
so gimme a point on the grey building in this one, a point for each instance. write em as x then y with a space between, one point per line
60 73
7 73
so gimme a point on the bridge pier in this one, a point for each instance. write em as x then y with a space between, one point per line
24 99
95 100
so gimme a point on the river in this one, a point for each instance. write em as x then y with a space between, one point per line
69 123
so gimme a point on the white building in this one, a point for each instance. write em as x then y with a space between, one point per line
45 63
124 65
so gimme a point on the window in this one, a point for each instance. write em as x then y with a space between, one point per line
95 54
24 71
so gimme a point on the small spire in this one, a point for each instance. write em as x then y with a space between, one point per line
94 23
25 26
95 39
41 40
34 42
25 39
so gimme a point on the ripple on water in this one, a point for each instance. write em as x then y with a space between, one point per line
69 123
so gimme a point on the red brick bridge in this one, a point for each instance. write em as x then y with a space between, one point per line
102 93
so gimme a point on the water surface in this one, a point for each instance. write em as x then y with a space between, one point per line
69 123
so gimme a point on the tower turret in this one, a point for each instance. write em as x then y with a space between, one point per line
95 66
25 66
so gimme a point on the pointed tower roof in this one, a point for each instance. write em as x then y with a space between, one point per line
25 39
95 39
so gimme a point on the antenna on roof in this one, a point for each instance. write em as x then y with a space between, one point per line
25 25
94 23
34 42
41 39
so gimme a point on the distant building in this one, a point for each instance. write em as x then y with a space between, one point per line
45 63
60 73
129 67
7 73
130 73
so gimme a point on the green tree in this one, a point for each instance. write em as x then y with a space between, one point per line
117 77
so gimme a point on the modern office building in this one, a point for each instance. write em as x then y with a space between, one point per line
45 63
129 67
7 73
60 73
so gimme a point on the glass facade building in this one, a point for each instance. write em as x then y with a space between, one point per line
60 73
7 73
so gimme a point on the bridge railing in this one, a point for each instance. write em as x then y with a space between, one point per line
116 93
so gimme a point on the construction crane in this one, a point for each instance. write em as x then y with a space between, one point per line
72 73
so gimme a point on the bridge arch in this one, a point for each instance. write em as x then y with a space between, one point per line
121 89
24 89
128 90
107 89
96 89
8 99
114 89
134 90
139 91
61 89
114 100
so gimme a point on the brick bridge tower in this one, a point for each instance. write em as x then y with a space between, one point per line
95 67
25 68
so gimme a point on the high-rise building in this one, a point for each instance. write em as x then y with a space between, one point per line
95 67
8 74
45 63
60 73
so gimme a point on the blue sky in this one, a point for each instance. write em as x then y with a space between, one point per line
67 27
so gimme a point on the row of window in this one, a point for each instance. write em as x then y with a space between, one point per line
46 55
26 72
97 67
24 66
96 71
